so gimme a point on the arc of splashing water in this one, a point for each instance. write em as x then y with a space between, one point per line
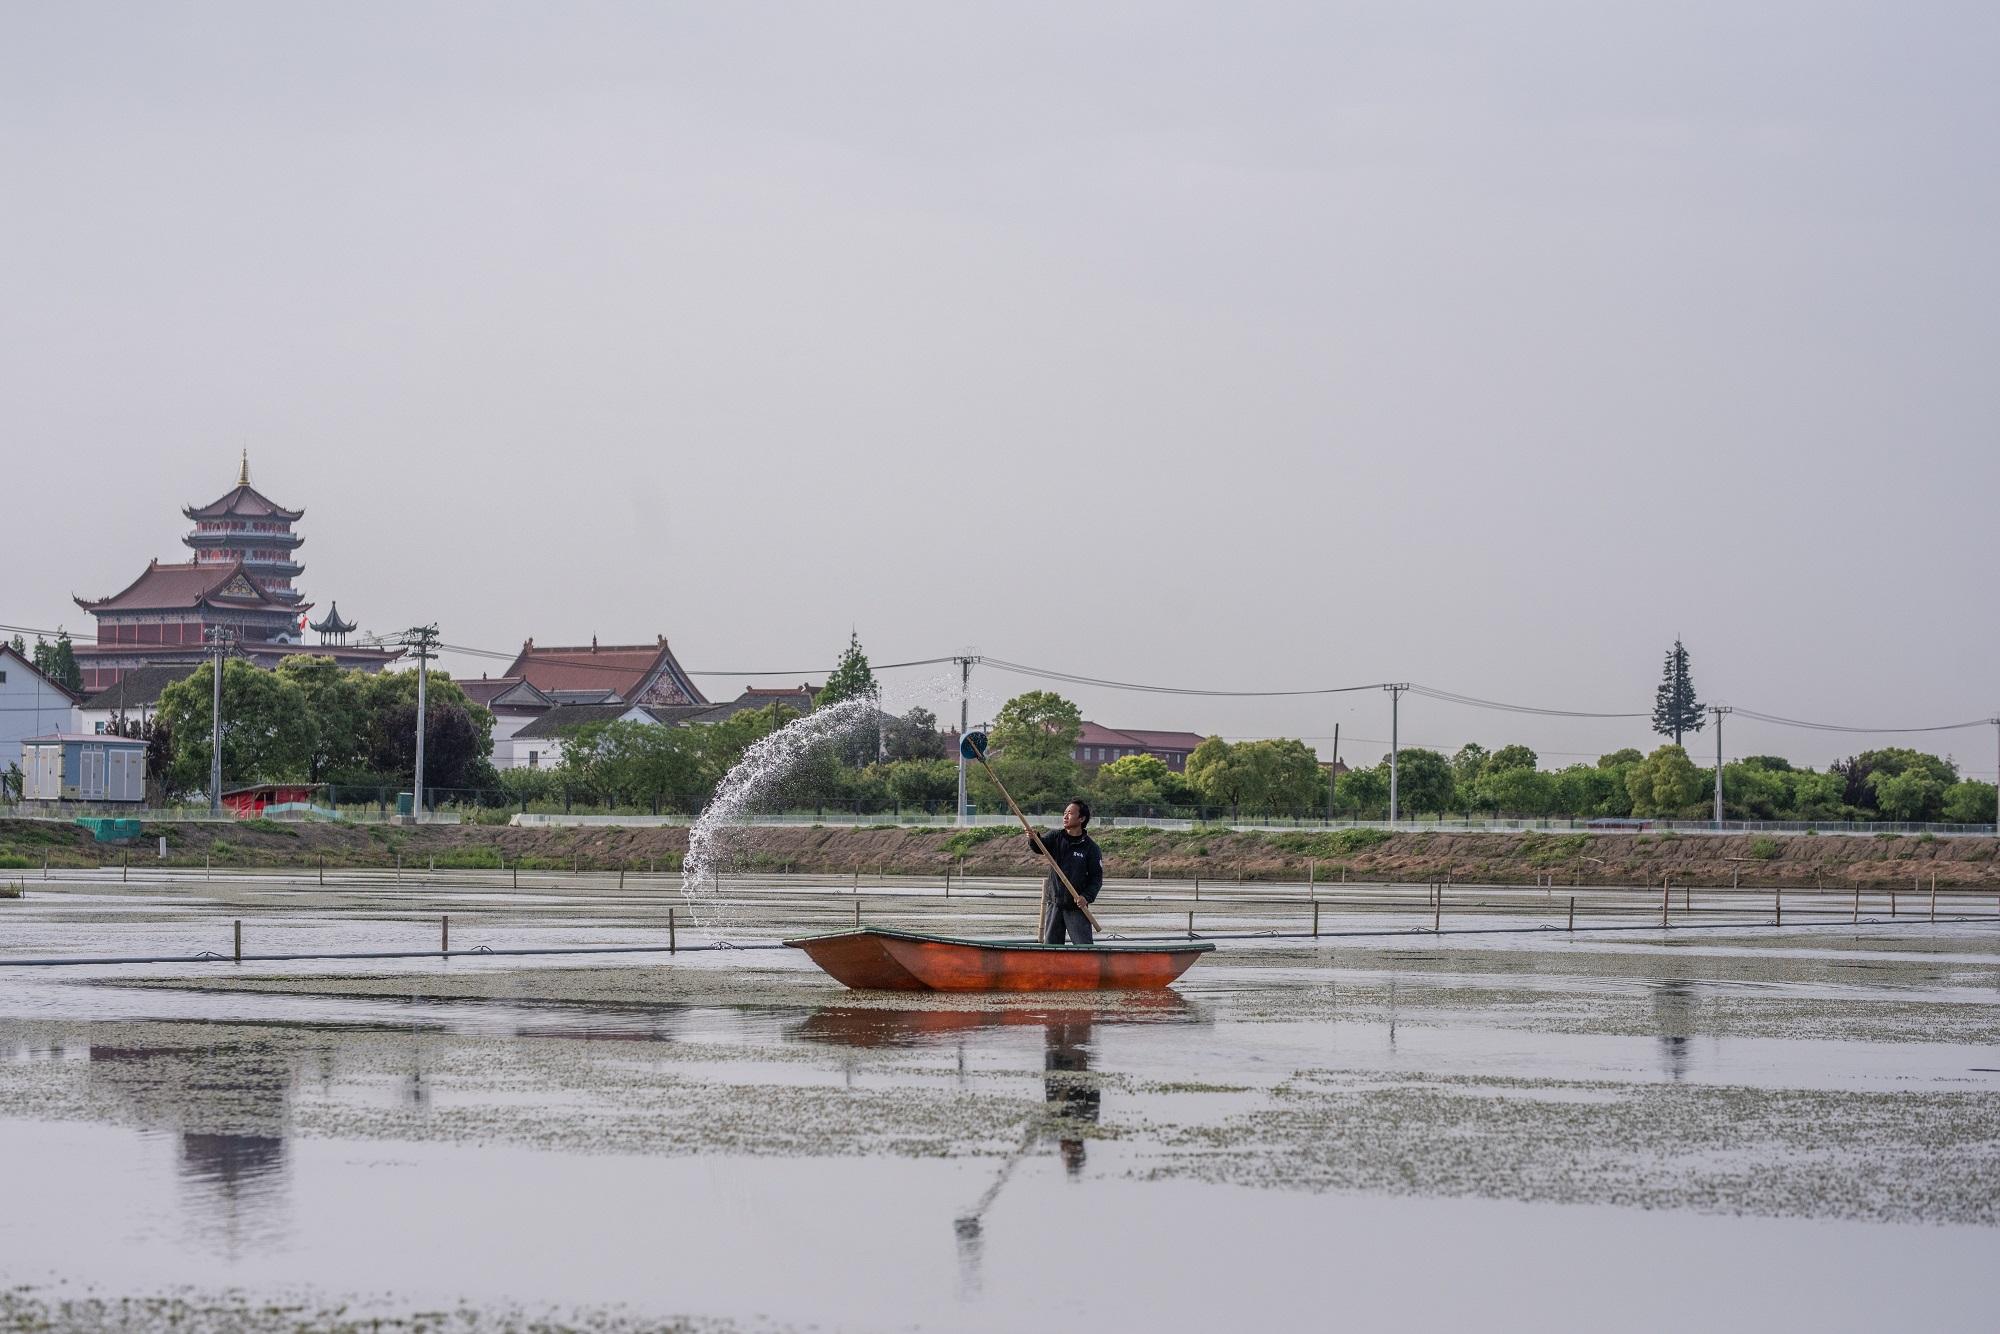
761 769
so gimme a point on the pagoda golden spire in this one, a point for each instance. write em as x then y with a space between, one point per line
243 475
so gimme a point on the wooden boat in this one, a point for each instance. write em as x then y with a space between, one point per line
876 959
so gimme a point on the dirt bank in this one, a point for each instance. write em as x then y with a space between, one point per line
1636 859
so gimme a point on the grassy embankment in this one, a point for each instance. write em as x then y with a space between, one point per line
1361 854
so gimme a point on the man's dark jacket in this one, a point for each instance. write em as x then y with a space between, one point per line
1081 862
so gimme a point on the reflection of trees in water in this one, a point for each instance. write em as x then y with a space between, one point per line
1673 1023
230 1103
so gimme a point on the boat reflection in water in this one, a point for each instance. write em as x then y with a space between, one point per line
1072 1100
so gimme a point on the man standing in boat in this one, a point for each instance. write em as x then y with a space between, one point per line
1076 852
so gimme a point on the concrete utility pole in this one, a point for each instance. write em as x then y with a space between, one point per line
1333 773
1395 700
423 642
1718 710
964 721
1996 776
220 640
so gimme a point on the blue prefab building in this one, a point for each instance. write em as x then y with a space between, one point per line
74 766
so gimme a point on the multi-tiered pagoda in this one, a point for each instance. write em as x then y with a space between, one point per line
249 529
240 580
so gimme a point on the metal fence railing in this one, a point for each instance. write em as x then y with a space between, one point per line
454 806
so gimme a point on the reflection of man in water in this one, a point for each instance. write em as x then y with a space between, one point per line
1076 852
1072 1096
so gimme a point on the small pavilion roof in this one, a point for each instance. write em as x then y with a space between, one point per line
333 624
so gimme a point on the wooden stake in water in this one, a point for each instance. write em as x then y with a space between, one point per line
1315 919
857 914
1778 907
1572 912
1857 905
670 931
1437 910
1933 897
239 942
1190 924
1666 899
444 934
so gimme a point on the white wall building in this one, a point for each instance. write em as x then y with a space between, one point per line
30 705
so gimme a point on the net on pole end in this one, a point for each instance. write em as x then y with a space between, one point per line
973 745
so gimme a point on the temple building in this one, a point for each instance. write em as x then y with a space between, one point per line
610 674
240 580
246 528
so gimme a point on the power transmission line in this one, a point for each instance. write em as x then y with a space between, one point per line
1104 683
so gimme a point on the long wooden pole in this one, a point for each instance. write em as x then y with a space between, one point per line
1036 839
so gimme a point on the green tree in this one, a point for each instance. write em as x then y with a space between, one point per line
1423 781
914 736
57 661
1665 783
1817 796
1284 776
1969 802
1751 791
1914 794
1131 781
1217 777
337 716
931 784
1517 790
1675 708
1034 750
1363 794
1619 759
1589 791
851 678
1859 772
647 765
1468 764
1512 757
266 735
458 734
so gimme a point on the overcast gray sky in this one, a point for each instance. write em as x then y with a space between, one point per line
1237 346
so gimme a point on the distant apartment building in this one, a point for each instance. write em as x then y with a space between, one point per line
1097 745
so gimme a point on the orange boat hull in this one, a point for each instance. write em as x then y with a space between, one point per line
907 961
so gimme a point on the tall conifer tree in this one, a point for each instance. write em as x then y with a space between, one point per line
1675 708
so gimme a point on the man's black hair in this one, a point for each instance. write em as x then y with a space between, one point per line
1081 805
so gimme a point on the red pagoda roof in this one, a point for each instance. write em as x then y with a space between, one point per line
637 673
184 586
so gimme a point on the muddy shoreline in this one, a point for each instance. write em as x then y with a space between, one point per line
1501 858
